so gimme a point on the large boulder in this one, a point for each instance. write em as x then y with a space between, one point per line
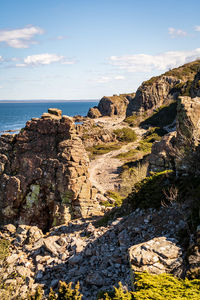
44 174
159 255
111 106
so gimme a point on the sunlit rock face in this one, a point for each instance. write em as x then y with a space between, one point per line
44 174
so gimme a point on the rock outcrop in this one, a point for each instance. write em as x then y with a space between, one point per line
152 94
179 150
93 134
111 106
44 174
159 255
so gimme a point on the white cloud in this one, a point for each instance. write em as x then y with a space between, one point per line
103 79
119 77
20 38
197 28
106 79
176 32
148 63
44 59
1 86
1 58
61 37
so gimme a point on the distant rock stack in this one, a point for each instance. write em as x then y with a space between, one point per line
44 174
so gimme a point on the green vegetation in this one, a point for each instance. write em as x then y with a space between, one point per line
130 155
132 120
164 115
116 196
164 287
66 292
102 149
187 71
149 191
156 287
125 134
4 249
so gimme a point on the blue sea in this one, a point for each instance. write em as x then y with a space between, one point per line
13 116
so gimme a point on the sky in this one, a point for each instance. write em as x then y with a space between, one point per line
86 49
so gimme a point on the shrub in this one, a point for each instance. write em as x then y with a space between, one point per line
125 135
66 292
149 191
165 287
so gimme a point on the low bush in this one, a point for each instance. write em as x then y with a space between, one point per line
164 287
103 149
125 135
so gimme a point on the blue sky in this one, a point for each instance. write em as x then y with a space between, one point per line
85 49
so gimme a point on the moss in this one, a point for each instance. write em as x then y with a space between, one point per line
125 134
32 197
4 248
67 197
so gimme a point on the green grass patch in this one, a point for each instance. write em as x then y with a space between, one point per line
4 249
116 196
102 149
130 155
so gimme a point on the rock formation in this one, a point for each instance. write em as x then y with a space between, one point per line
44 174
111 106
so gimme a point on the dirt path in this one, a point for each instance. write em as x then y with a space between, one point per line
104 170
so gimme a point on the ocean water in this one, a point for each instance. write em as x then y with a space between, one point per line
13 116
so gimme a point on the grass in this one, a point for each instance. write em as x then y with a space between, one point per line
162 116
116 196
125 134
130 155
4 249
102 149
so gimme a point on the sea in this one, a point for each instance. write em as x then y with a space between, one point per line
14 115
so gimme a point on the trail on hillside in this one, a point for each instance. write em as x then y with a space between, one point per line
104 169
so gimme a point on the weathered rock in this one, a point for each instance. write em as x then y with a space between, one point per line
92 134
156 256
111 106
44 178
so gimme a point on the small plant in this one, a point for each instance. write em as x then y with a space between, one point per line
66 292
4 248
119 293
125 134
102 149
116 196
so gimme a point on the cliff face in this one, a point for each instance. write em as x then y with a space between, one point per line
153 93
111 106
44 174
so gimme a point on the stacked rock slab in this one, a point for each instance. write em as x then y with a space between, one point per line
44 174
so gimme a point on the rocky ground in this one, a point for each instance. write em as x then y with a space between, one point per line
96 257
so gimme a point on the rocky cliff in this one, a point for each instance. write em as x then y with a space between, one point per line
111 106
44 174
153 93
